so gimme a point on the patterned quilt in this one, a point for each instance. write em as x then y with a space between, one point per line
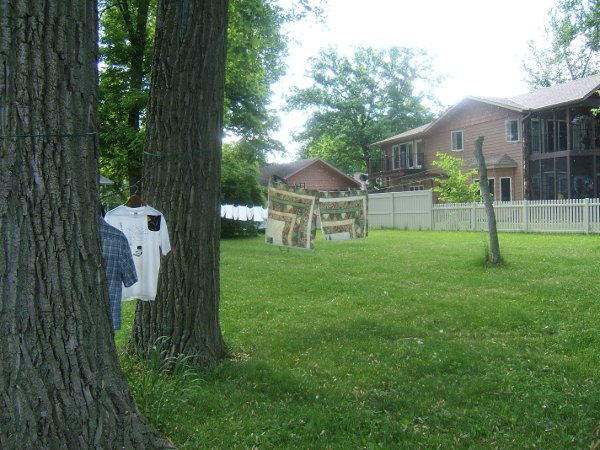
343 214
292 217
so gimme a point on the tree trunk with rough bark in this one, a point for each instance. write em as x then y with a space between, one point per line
182 168
494 257
60 381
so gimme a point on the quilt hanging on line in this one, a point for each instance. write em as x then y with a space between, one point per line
343 214
292 217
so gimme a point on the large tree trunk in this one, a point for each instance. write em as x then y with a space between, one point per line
61 384
182 169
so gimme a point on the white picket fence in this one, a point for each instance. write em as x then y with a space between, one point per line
416 211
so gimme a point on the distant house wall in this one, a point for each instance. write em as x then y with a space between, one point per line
319 176
474 119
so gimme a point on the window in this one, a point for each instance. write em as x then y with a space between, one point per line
491 187
505 190
457 140
535 136
410 155
418 187
418 154
512 130
410 159
395 157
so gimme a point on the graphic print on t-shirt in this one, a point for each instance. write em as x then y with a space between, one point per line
153 223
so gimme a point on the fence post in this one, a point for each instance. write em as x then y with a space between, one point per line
525 219
393 210
431 212
586 216
473 215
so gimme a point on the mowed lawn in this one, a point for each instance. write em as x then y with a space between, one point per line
400 340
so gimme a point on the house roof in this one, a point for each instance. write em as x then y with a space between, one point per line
287 170
410 133
562 94
496 161
554 96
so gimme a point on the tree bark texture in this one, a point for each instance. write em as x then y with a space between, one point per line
487 200
182 167
61 384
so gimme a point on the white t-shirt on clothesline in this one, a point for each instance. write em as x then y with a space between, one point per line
148 236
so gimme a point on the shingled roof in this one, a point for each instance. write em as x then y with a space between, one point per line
284 170
554 96
560 95
287 170
497 161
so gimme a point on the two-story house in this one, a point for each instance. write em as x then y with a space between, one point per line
540 145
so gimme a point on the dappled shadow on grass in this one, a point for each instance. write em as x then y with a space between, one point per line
360 382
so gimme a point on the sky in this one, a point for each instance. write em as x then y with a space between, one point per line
477 44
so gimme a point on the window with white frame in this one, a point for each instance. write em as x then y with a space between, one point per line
410 157
512 130
418 187
418 154
395 157
457 140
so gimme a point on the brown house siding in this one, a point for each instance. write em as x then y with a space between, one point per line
320 177
474 119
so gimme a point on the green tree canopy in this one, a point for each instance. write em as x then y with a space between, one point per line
356 101
456 186
256 48
571 45
126 33
240 174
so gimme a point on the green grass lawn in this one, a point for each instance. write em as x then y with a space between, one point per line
401 340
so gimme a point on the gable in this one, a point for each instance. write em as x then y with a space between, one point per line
313 173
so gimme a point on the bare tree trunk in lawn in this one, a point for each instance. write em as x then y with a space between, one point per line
494 258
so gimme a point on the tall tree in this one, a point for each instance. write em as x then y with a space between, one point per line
60 381
355 102
571 47
182 171
257 46
255 52
127 31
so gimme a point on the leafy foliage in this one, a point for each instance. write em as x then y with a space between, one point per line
256 48
574 42
239 176
126 35
240 185
356 101
456 187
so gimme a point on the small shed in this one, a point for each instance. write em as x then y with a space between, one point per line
312 173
